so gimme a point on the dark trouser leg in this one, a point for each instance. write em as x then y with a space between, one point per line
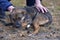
31 2
2 13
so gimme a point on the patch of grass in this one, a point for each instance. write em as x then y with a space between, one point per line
18 2
57 7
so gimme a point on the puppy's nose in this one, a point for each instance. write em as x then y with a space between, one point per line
18 25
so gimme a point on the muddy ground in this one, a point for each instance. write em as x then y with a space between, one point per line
51 32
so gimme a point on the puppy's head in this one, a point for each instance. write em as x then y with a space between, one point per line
21 17
17 16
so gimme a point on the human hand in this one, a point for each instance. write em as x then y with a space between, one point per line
10 8
41 8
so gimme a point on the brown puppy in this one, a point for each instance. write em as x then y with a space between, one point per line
26 16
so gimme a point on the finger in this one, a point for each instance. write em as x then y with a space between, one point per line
45 9
42 10
38 9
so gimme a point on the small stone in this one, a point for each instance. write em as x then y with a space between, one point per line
48 36
51 34
57 29
1 30
1 37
